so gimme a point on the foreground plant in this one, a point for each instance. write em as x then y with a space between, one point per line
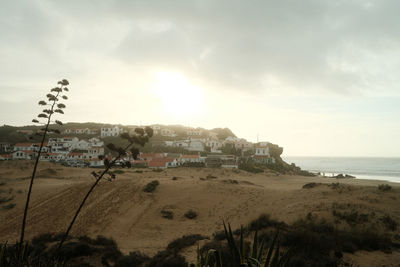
139 138
239 256
53 105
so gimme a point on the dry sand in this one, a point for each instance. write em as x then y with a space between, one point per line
121 210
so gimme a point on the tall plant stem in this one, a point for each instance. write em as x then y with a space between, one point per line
87 196
28 197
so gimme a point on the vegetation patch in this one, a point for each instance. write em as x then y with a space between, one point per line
191 214
150 187
158 170
167 214
185 241
352 217
311 185
9 206
384 187
389 223
250 168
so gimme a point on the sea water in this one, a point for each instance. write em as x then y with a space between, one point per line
387 169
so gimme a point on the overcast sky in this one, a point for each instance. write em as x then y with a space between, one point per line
320 78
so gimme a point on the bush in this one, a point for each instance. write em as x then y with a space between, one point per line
133 259
185 241
9 206
250 168
191 214
310 185
389 223
150 187
263 221
167 214
352 217
384 187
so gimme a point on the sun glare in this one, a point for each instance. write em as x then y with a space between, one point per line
179 97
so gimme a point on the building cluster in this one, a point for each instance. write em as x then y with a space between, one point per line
196 147
69 150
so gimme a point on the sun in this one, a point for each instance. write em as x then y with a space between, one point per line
179 97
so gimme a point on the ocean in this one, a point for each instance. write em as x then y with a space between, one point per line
386 169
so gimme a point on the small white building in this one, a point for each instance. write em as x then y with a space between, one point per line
196 145
95 162
194 132
110 131
168 132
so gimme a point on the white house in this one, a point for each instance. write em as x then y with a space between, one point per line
194 132
167 132
95 162
23 154
95 141
196 145
110 131
191 158
156 129
262 150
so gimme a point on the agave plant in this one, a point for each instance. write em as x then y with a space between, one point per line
239 257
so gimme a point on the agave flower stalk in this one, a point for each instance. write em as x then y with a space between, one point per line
54 106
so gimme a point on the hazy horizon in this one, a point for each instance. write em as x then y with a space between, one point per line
319 78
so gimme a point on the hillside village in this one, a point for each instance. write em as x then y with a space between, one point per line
171 146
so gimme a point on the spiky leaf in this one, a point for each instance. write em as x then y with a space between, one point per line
42 115
35 121
59 111
58 122
56 89
60 105
63 82
65 97
43 103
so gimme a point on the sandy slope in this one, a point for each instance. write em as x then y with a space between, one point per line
121 210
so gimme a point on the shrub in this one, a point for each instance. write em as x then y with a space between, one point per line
167 214
174 178
9 206
74 249
191 214
118 172
185 241
310 185
384 187
133 259
352 217
250 168
5 199
263 221
389 223
150 187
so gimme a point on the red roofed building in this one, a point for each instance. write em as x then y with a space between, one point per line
190 158
162 163
6 157
150 156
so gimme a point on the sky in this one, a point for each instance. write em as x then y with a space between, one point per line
317 77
